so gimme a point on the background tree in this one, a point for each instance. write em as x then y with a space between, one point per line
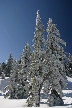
3 67
23 75
9 65
12 88
19 60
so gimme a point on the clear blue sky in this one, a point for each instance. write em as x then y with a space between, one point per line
17 23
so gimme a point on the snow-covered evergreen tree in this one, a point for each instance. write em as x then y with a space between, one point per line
54 60
9 65
36 65
69 66
12 88
3 68
19 77
23 75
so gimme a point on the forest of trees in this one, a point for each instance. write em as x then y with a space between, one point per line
44 66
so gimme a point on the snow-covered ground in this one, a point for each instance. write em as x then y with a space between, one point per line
20 103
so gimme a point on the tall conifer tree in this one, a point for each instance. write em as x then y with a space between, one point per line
55 58
36 65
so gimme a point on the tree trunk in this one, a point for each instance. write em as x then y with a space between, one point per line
44 78
57 101
37 104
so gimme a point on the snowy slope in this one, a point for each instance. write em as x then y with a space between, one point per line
20 103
